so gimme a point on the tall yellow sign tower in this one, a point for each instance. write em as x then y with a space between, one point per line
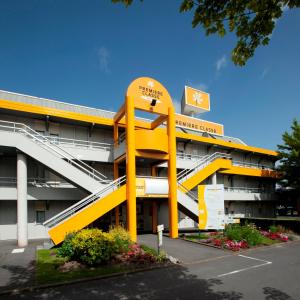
148 95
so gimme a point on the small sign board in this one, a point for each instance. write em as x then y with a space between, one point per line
160 229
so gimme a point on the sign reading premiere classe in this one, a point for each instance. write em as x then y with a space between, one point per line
199 125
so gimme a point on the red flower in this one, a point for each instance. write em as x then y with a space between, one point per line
218 242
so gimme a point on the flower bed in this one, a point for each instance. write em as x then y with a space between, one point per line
94 247
92 252
236 237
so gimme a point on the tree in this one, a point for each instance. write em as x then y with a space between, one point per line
252 21
289 154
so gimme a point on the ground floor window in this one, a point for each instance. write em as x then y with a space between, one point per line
40 216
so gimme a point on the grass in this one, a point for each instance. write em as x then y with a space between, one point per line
149 250
267 242
48 262
199 236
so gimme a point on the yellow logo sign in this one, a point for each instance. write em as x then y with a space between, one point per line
195 101
149 95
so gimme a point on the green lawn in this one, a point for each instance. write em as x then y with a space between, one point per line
48 262
199 236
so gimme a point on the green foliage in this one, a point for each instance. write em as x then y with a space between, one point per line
149 250
233 232
278 229
253 21
248 233
273 228
199 236
92 246
66 250
160 258
289 154
121 238
251 235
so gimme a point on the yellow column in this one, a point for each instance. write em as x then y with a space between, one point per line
116 176
130 168
172 175
116 169
154 204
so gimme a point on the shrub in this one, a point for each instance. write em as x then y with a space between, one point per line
121 238
66 250
273 228
251 235
233 232
89 246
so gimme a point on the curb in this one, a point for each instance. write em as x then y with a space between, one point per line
17 291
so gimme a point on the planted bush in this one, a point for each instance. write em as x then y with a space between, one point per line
121 238
251 235
233 232
67 250
89 246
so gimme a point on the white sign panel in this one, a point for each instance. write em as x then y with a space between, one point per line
156 186
211 207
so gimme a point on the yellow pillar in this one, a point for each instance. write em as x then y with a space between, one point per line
172 175
130 168
116 176
154 204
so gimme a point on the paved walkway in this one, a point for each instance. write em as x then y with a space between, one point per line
17 269
186 252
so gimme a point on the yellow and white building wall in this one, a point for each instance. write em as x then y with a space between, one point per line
67 140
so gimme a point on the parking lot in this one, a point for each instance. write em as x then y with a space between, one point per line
262 273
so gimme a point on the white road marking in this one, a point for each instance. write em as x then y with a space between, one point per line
265 262
19 250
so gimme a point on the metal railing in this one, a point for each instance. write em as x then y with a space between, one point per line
187 192
185 156
51 147
247 190
251 165
35 181
98 195
79 143
56 104
200 164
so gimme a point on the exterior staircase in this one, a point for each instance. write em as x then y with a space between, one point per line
190 178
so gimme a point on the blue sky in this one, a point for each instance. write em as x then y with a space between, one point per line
87 52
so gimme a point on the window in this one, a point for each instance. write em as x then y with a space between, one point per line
40 216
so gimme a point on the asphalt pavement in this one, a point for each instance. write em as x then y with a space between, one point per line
270 273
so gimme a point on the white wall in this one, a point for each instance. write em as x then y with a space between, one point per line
8 219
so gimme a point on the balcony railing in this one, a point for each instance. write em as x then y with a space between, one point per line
36 182
248 190
251 165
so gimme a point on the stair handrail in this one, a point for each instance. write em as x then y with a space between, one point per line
187 192
201 164
79 143
20 127
99 194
